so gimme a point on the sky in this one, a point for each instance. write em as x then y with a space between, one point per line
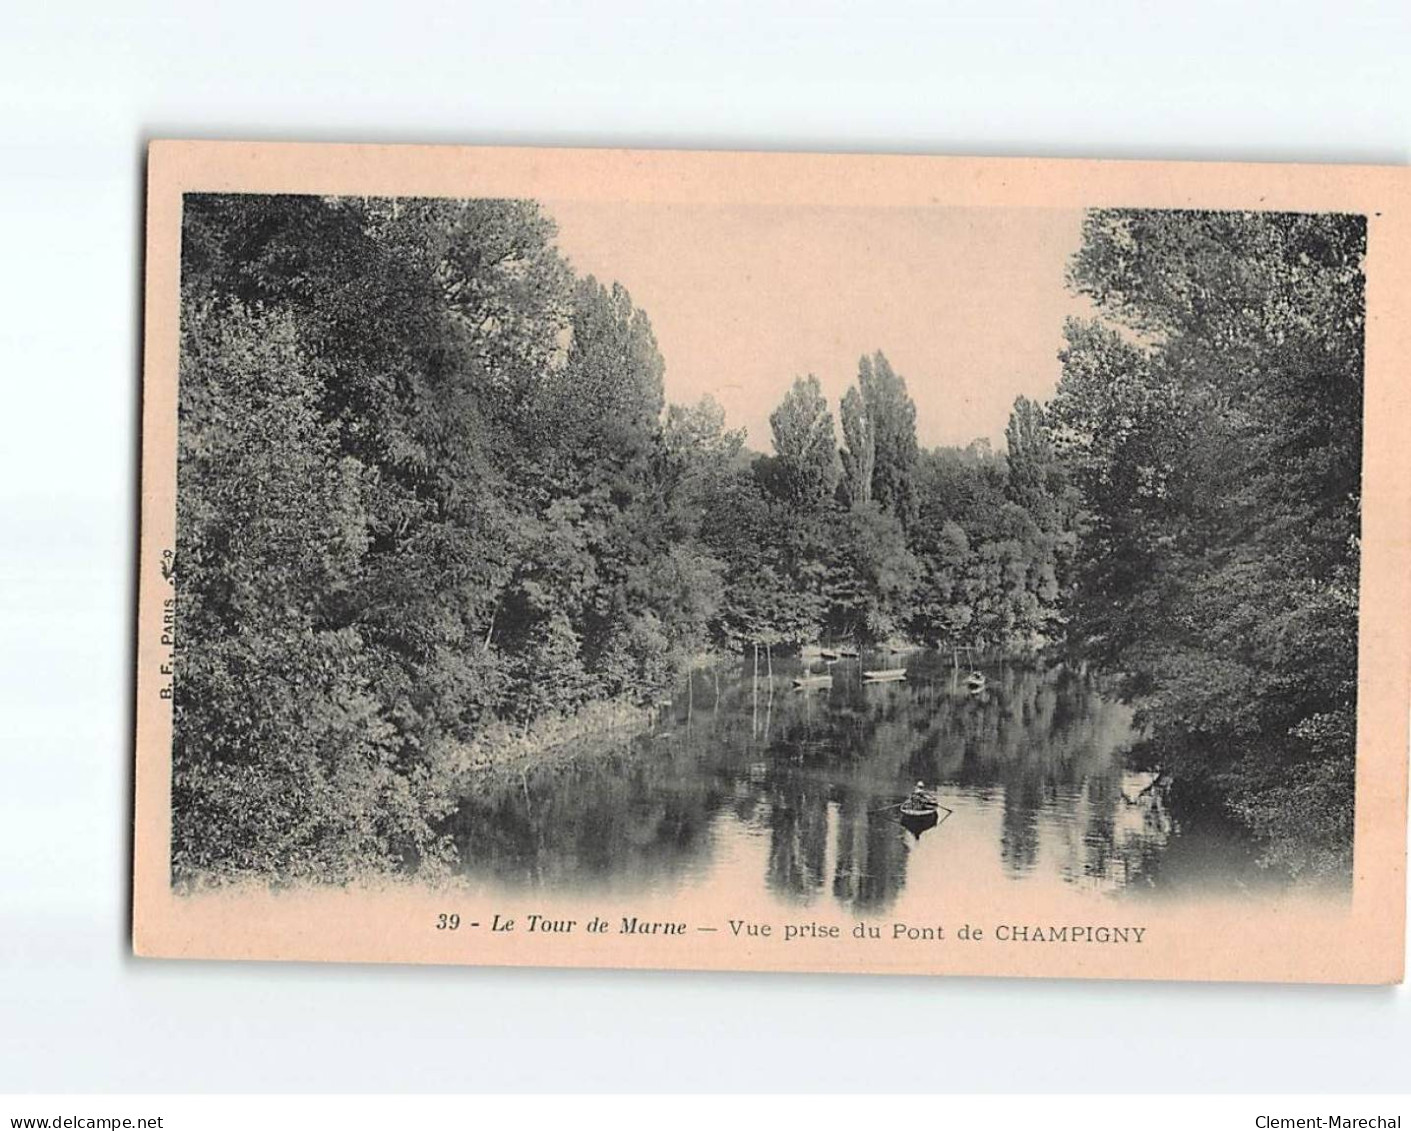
968 304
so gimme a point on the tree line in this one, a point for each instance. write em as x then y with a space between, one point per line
429 489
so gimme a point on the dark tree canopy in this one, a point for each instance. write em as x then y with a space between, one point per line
1211 419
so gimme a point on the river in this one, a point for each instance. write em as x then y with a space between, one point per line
793 793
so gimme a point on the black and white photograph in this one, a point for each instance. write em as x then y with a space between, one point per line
783 572
651 548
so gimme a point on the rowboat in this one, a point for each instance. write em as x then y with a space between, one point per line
916 819
848 652
829 654
805 681
881 675
976 681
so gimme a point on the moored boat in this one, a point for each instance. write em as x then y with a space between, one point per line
804 681
880 675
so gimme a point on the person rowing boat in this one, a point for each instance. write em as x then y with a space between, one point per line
920 798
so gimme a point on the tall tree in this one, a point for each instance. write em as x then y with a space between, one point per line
860 455
1029 456
1213 425
698 455
805 444
283 758
891 414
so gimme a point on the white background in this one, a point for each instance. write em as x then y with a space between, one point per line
81 88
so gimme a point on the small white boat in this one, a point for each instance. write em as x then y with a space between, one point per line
806 681
881 675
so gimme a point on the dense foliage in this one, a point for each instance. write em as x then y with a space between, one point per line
430 492
1212 421
423 490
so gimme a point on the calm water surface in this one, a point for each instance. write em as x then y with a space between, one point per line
750 783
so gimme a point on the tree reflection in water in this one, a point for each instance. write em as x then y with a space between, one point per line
807 781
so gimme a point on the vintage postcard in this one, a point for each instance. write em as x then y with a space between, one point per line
766 561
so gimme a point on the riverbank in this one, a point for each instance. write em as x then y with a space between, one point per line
505 749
